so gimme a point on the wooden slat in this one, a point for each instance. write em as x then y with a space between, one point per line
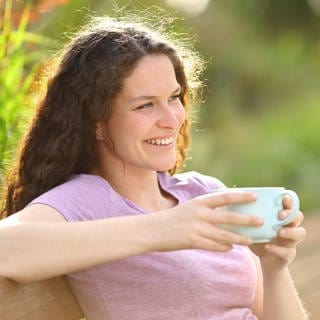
44 300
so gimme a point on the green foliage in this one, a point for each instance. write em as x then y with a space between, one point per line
277 149
259 125
18 67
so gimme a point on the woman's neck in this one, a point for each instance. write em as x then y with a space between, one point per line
141 187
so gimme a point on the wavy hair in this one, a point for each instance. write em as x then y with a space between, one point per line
61 140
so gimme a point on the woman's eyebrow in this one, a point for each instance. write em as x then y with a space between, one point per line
176 91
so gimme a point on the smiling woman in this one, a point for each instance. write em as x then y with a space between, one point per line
96 196
149 107
103 57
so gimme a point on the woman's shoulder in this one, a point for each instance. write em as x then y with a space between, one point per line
78 197
78 185
197 178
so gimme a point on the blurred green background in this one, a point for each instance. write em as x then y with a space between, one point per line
259 124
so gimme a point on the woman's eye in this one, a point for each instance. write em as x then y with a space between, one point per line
144 106
175 97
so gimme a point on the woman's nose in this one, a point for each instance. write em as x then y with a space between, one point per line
171 116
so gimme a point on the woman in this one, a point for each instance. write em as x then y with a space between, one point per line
95 195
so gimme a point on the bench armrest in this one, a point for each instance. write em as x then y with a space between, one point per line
43 300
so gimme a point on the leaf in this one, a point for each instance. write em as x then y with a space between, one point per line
19 35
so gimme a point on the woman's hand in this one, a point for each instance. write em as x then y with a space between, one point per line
281 251
195 224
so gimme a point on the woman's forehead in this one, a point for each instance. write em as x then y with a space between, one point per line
152 74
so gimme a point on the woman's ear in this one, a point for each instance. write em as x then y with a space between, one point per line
99 130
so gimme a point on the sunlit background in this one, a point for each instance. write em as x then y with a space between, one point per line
259 124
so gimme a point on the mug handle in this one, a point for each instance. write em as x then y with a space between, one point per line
295 206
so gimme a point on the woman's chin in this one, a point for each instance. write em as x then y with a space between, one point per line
165 168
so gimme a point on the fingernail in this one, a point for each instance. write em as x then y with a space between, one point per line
254 196
260 221
283 214
282 232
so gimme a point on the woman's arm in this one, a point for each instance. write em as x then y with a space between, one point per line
281 300
277 297
37 243
33 250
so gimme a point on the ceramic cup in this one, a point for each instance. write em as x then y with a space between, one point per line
267 206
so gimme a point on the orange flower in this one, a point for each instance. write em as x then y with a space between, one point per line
46 5
39 7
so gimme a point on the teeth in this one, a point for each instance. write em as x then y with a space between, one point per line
160 142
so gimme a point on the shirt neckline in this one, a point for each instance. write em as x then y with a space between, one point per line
163 180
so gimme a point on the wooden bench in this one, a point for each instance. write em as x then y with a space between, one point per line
44 300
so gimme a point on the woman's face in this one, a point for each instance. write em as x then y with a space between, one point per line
146 117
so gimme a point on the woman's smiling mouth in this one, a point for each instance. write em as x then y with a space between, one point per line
161 141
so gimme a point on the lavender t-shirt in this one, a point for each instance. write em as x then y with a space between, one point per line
176 285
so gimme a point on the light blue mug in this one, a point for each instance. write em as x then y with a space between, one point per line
267 206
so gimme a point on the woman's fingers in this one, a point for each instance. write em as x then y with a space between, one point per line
297 220
224 236
208 214
234 218
295 234
225 217
217 239
208 244
285 253
287 202
226 197
221 215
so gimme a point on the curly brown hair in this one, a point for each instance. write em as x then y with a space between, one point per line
61 140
